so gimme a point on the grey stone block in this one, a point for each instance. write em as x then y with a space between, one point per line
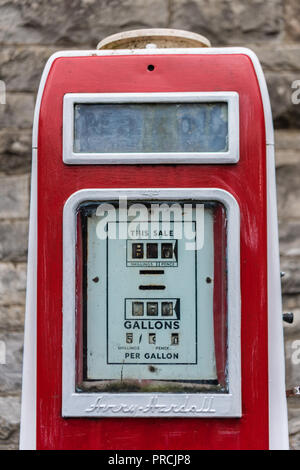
286 114
287 147
14 197
11 372
32 22
294 423
291 280
226 23
289 237
18 111
15 151
291 18
9 421
11 317
21 67
283 58
15 142
288 192
12 283
292 352
13 240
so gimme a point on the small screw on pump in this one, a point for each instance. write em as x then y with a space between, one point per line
288 317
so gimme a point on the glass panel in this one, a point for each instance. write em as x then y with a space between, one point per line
151 127
154 309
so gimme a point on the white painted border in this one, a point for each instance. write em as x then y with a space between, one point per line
28 405
77 404
278 416
231 156
278 424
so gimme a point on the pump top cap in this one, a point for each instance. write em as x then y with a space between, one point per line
160 38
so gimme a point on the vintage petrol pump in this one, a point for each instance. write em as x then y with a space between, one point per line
153 306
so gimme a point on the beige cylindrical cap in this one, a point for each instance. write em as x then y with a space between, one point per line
160 38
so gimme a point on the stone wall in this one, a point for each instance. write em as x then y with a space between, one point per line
31 30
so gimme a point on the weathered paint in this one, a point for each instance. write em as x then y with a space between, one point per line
245 180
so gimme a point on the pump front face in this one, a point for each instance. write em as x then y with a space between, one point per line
154 299
153 304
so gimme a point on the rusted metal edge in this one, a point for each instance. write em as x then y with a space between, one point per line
293 392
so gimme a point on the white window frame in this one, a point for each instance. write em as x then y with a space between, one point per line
230 156
212 405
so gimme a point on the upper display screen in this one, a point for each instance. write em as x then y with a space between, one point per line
151 127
